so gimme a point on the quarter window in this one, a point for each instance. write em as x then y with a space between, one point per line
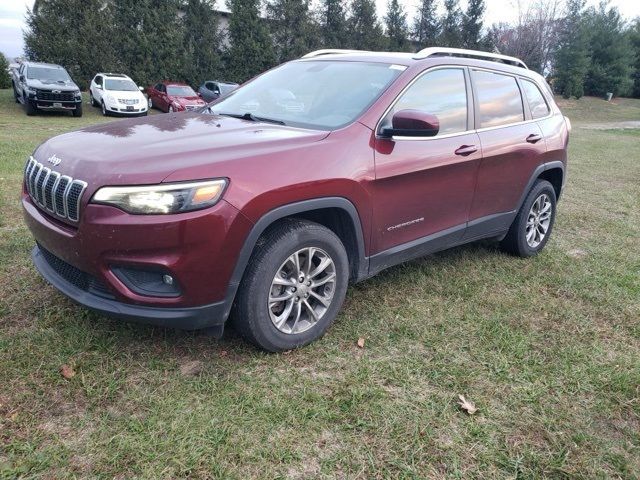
499 99
442 93
537 103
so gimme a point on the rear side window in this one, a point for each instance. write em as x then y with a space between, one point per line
442 93
537 103
499 99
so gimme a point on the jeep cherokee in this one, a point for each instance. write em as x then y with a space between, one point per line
263 205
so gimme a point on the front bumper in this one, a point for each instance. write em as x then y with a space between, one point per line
190 318
55 105
198 249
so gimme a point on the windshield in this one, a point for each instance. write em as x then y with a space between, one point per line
121 85
48 74
180 91
226 88
314 94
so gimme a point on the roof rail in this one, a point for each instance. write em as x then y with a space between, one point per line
452 52
329 51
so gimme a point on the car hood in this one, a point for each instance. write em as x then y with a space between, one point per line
51 85
147 150
189 100
128 94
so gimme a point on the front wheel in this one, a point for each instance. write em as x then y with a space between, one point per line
170 109
78 111
105 112
531 229
294 286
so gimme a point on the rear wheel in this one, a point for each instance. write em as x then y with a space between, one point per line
294 286
531 229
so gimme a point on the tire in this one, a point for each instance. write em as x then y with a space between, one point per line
15 93
170 109
78 111
92 100
29 107
105 112
150 103
527 235
255 318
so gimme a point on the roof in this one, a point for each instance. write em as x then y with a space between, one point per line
408 58
42 64
114 75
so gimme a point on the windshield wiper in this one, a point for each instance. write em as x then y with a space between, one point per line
251 117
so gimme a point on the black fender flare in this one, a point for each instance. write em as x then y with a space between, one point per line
536 173
289 210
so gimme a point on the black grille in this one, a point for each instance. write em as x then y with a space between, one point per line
56 193
55 97
76 277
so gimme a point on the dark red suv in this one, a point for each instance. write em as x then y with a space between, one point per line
265 204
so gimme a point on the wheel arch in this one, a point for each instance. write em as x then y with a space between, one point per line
336 213
553 172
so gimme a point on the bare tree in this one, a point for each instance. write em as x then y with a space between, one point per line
533 37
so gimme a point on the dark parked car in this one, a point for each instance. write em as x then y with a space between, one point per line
266 205
173 97
45 86
213 89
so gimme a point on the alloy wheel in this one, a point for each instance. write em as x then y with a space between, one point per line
538 220
302 290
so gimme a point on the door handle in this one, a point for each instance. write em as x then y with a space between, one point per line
465 150
534 137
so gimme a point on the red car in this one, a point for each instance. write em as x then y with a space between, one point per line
320 172
173 97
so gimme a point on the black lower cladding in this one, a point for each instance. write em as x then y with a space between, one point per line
82 288
76 277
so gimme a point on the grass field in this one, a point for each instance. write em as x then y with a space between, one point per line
547 348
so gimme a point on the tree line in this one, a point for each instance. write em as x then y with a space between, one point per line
581 50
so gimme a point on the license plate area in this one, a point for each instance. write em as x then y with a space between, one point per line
57 105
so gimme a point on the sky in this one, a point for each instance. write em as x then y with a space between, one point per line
12 14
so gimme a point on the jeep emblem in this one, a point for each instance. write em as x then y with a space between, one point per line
54 160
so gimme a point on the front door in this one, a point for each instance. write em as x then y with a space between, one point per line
424 185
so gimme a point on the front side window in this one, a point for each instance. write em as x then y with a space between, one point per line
537 103
319 94
120 85
180 91
442 93
499 99
99 80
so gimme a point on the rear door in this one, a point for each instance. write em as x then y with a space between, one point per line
513 146
424 185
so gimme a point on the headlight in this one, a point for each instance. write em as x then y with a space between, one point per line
164 198
31 90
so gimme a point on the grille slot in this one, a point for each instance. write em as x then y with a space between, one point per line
76 277
59 194
54 97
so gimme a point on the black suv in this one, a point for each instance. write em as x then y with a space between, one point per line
44 86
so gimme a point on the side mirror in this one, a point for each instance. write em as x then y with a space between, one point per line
99 87
141 88
412 123
22 78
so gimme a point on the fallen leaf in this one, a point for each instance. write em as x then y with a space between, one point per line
192 368
361 342
466 405
224 353
67 371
